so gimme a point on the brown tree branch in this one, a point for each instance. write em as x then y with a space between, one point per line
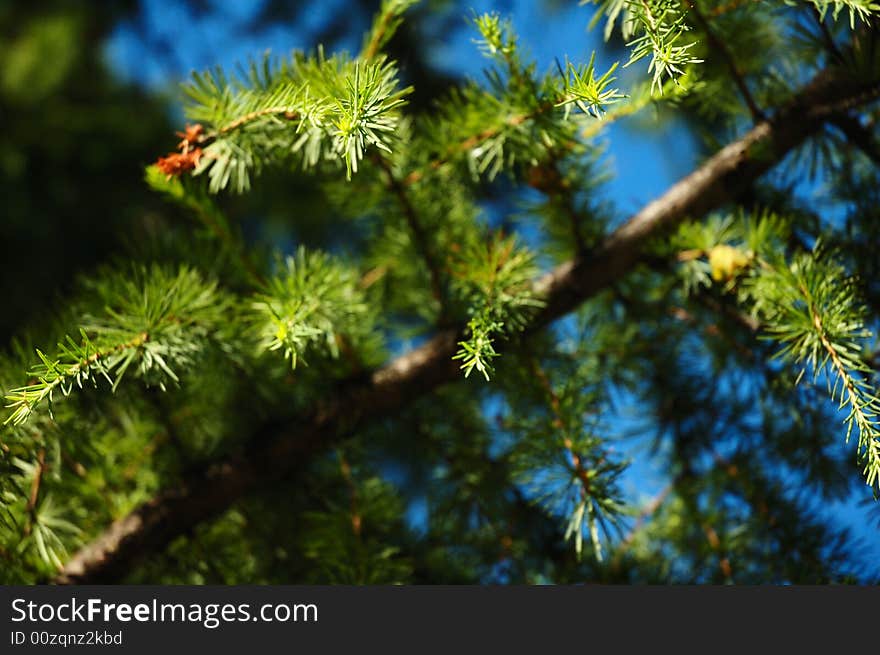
278 449
34 495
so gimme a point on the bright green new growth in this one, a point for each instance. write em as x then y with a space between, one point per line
659 29
495 280
313 302
497 36
655 29
582 89
337 108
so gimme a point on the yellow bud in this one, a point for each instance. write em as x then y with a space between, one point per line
726 261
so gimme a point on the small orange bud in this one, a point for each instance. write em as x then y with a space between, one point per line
176 163
191 136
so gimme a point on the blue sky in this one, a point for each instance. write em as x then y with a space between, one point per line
644 165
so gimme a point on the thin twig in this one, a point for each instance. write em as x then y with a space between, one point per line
858 136
372 48
578 470
475 140
286 112
417 230
345 469
721 48
34 495
715 544
221 231
827 37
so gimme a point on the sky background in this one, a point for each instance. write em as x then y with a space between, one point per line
168 43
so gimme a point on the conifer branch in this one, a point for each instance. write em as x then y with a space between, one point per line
826 337
287 112
475 140
651 28
275 449
577 86
589 471
827 37
385 25
865 409
810 307
206 211
324 109
857 9
721 48
75 365
496 283
154 321
417 231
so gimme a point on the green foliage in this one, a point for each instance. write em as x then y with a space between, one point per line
661 30
498 38
360 556
449 211
48 528
337 107
861 9
809 305
563 457
582 88
152 322
655 29
734 240
495 281
520 119
313 303
813 309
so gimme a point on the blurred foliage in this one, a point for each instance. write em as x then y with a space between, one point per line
72 150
